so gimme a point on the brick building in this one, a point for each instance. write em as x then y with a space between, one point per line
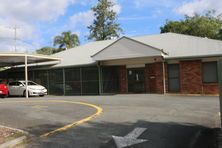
162 63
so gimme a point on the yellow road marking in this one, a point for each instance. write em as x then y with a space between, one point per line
98 112
39 106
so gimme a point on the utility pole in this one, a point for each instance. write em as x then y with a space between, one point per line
15 28
15 35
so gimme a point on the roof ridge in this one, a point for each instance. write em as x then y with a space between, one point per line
188 35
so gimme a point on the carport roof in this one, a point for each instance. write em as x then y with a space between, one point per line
14 59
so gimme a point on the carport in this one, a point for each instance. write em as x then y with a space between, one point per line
22 59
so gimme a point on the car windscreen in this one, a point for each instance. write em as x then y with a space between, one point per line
31 83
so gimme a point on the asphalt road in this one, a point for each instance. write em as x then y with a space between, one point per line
170 121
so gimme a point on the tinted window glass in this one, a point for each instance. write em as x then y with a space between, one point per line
90 81
173 78
210 72
56 85
72 81
90 73
31 83
41 77
110 79
12 83
18 83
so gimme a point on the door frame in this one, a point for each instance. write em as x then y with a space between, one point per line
144 82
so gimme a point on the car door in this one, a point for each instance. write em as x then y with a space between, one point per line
20 88
12 88
16 88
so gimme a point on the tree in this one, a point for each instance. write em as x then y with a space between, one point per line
46 50
104 26
66 40
206 25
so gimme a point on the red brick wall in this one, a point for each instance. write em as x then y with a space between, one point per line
147 76
210 88
159 77
123 79
166 77
154 78
190 77
150 78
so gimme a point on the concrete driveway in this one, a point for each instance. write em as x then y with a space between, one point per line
170 121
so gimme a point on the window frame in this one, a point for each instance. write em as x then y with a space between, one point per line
174 77
208 82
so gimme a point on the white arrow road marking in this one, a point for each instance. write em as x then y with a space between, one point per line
130 139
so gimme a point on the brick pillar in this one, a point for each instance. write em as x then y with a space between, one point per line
154 78
191 77
166 78
122 79
159 77
147 76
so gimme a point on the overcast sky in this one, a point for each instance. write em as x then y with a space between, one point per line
38 21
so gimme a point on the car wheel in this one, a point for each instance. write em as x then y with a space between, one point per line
41 95
24 93
5 96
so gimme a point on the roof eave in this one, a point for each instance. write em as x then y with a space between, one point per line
193 57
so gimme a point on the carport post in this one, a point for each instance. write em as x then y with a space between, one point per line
220 86
26 77
100 79
164 78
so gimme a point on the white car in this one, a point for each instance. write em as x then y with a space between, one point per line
17 88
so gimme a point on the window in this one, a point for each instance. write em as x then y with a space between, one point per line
110 79
173 78
72 81
90 80
56 85
209 72
19 84
13 84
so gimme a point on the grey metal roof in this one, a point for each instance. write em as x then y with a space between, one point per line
175 45
178 45
124 48
81 55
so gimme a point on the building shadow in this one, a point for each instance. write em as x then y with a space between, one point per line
99 135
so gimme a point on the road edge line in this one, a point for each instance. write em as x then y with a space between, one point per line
99 110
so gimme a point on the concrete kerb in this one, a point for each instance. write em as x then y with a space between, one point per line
16 141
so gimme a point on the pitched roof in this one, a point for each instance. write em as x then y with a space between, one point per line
175 45
125 48
179 45
81 55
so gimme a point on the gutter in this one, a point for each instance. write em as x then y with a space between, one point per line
193 57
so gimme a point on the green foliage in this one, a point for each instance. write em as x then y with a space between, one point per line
46 50
199 25
66 40
104 26
49 50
